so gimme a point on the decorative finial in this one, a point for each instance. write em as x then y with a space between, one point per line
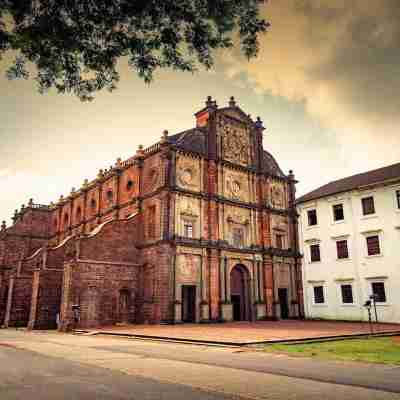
259 124
100 174
291 174
140 151
209 101
86 183
3 226
30 202
72 190
164 136
22 207
232 102
119 161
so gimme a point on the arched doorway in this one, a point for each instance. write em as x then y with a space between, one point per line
240 293
124 305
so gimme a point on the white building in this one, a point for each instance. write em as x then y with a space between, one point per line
350 238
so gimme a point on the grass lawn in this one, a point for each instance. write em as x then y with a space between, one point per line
375 350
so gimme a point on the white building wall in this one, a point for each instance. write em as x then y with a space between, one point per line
359 270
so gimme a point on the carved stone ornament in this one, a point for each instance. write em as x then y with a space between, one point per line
188 211
236 145
277 196
234 187
186 177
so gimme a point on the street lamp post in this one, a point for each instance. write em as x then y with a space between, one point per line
373 297
367 305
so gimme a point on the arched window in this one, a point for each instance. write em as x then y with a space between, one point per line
149 283
78 215
129 185
93 204
109 195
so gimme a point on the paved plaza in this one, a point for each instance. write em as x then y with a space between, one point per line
248 332
57 366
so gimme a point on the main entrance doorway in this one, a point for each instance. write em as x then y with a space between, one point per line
189 303
283 302
240 293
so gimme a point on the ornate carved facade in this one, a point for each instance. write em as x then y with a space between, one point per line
200 226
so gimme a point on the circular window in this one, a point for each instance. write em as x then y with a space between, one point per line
129 185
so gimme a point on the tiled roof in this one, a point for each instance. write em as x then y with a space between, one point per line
353 182
270 166
190 140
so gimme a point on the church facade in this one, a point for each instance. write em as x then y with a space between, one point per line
199 227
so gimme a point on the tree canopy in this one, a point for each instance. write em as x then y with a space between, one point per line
76 44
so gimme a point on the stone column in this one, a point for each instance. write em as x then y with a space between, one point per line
9 302
34 299
214 284
177 294
269 287
226 306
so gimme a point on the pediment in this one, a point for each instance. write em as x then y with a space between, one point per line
236 113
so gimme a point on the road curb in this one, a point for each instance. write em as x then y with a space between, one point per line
241 344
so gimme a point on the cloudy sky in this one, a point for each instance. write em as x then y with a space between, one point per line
326 84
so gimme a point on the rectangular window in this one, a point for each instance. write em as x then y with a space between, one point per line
398 198
188 229
373 247
378 290
312 217
319 295
315 253
238 237
151 220
279 241
347 294
368 205
338 213
342 250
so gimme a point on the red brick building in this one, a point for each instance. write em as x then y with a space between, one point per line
201 226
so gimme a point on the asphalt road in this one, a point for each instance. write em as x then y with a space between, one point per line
28 375
42 365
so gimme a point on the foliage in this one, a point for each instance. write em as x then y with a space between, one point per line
76 44
377 350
